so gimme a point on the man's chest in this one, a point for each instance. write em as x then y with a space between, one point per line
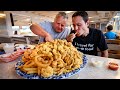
86 44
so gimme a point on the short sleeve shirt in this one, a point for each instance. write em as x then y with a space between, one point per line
89 44
47 26
110 35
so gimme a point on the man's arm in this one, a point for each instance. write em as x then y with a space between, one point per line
104 53
38 30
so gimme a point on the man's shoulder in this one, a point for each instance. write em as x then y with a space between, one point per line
95 30
67 30
45 22
114 32
46 25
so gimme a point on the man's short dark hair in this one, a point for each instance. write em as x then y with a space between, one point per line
83 14
109 27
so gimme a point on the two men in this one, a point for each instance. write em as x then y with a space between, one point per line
85 39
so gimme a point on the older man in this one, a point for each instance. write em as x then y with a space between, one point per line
52 30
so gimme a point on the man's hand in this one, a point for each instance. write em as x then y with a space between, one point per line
48 38
71 37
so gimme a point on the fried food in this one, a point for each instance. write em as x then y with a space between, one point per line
51 58
46 72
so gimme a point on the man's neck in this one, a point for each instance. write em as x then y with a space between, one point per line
86 33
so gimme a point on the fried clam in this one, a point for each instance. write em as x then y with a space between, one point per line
34 52
54 64
47 72
27 53
67 60
70 65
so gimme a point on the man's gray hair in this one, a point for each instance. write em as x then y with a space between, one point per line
65 16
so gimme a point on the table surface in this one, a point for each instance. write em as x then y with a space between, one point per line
7 70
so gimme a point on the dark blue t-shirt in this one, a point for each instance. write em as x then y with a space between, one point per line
89 44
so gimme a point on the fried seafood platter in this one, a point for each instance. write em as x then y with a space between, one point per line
51 60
